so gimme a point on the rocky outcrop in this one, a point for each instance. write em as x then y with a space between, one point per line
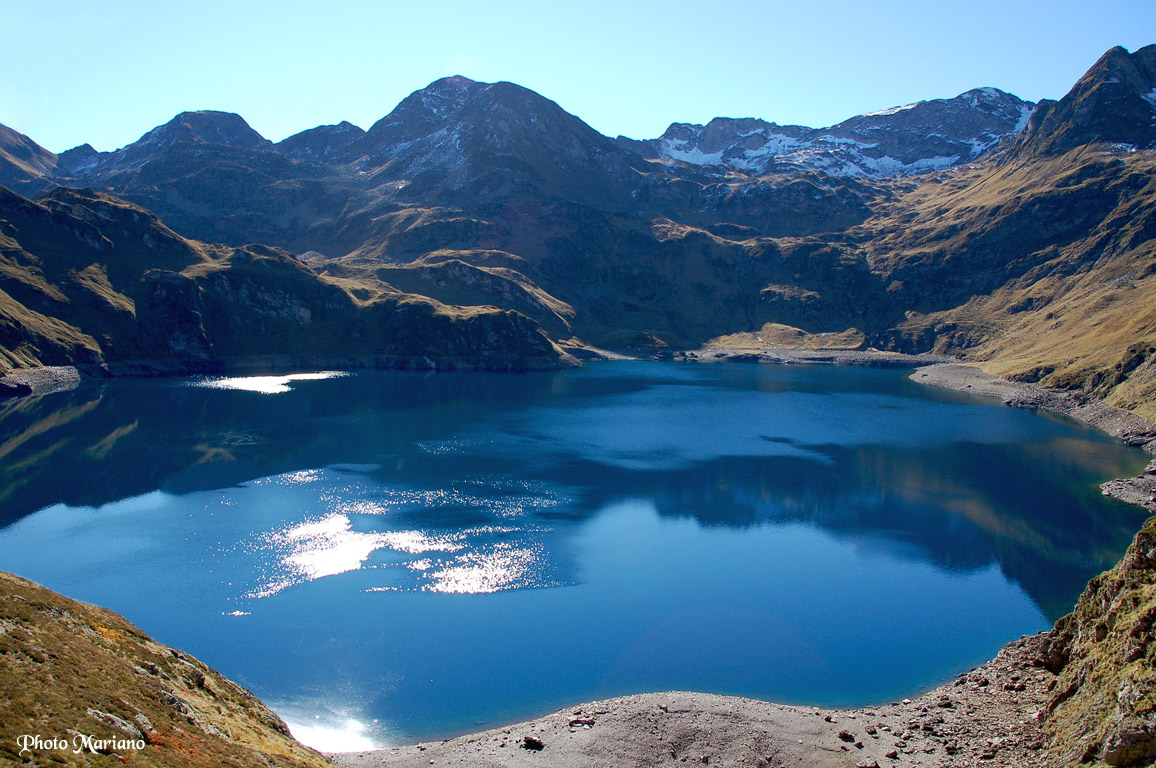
1103 710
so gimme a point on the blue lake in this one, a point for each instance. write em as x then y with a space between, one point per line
393 557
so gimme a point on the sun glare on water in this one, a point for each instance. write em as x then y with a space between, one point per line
349 537
267 385
332 735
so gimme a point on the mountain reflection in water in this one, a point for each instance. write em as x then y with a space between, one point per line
597 501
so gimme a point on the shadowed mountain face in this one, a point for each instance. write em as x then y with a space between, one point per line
25 165
466 141
480 195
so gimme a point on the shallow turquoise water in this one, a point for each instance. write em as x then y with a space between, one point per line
391 557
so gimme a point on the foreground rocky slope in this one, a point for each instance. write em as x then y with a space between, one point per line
69 670
1103 710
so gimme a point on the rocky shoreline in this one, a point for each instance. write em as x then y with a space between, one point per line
871 357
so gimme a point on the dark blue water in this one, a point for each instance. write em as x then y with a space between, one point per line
390 557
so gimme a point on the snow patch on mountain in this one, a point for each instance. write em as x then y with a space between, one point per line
913 138
892 111
676 150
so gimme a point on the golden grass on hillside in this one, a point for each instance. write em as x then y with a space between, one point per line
777 336
1105 698
1075 307
49 329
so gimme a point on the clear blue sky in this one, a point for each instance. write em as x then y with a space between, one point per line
107 72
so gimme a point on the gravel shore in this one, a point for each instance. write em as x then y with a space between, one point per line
987 717
873 358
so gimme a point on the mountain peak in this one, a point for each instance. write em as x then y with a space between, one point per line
455 81
430 105
78 160
322 143
200 127
208 127
1115 101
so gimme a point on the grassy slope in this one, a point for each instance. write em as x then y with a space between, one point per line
66 666
1043 270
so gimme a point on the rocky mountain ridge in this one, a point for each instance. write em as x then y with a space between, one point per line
458 142
1114 102
476 195
928 135
915 138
